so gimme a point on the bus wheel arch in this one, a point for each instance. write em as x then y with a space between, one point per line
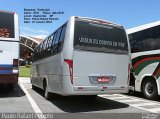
47 94
149 87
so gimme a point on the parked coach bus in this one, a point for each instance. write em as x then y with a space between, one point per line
84 56
9 48
145 48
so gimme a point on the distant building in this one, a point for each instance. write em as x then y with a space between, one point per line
27 45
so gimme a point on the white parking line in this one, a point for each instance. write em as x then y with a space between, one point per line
115 98
144 104
119 98
32 102
155 110
130 100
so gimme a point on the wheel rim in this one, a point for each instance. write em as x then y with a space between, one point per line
149 89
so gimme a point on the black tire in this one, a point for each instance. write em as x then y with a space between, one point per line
47 94
149 89
34 87
92 96
131 92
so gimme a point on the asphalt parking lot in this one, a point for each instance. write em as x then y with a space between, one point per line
23 99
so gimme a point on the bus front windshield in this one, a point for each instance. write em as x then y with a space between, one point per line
100 37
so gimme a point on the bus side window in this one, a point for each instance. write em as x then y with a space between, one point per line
46 47
50 44
53 42
57 40
34 55
40 51
43 49
38 57
37 53
62 38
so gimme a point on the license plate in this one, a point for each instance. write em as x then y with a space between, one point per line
103 79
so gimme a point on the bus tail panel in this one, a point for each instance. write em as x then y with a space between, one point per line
100 71
9 53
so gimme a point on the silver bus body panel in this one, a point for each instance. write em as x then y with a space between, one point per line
85 63
49 69
90 63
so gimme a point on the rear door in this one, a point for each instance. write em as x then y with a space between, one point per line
100 54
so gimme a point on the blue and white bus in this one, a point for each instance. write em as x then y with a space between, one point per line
9 48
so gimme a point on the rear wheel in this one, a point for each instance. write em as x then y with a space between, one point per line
47 94
34 87
91 96
149 89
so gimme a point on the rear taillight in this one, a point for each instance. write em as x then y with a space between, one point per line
15 62
15 66
70 64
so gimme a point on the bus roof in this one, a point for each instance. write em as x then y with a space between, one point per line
98 20
143 27
7 12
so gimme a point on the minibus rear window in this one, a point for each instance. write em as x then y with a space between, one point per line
94 36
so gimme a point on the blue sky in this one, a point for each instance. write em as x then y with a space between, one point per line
125 12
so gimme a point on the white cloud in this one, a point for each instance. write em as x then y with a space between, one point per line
40 36
34 32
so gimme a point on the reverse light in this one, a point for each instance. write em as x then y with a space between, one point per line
105 87
80 88
15 66
70 64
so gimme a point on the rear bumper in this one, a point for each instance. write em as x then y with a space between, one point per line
91 90
95 90
8 78
98 88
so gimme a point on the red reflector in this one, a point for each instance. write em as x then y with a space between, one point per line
80 88
104 87
122 87
70 64
15 62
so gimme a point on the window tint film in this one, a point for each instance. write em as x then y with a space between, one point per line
7 25
100 37
145 40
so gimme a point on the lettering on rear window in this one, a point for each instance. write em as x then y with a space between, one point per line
101 42
100 37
